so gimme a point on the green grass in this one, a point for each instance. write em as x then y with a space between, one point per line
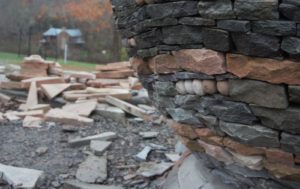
11 58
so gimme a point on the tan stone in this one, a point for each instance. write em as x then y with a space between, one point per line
188 85
201 60
223 87
217 152
252 162
140 66
164 63
209 87
205 132
32 122
279 156
282 171
215 140
242 148
82 108
265 69
198 87
184 130
180 87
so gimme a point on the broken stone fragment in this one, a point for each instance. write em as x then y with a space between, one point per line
98 147
151 169
92 170
148 135
173 156
144 153
86 140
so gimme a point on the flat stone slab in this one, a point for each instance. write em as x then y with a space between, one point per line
86 140
92 170
75 184
20 177
148 135
144 153
173 156
98 147
111 112
151 169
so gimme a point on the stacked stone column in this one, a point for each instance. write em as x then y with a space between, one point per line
228 74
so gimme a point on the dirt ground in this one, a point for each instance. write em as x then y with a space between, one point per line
21 147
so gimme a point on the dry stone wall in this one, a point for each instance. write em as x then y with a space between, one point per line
228 74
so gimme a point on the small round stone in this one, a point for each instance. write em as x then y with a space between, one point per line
198 88
209 86
188 85
223 87
180 87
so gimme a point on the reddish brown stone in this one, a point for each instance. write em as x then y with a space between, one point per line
184 130
205 132
242 148
252 162
265 69
282 171
192 145
140 66
201 60
195 60
278 156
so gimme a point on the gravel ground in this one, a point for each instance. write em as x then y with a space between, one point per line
19 146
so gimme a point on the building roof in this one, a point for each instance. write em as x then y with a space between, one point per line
57 31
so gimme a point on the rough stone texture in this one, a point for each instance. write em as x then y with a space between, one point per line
259 93
287 120
256 44
218 9
184 116
290 143
270 70
165 88
184 130
256 9
255 135
278 156
290 9
291 45
252 162
294 94
196 21
242 148
216 39
234 25
181 34
283 171
277 28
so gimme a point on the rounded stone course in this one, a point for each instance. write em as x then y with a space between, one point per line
227 72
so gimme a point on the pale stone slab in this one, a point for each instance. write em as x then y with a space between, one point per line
22 178
82 108
92 170
144 153
148 135
173 156
98 147
32 122
111 112
53 90
86 140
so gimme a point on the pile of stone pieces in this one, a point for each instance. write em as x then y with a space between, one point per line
47 93
228 73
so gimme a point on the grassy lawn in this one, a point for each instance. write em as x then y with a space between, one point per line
11 58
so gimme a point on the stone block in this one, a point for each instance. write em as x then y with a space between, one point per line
217 9
209 86
259 93
149 23
181 34
294 94
255 44
290 143
196 21
216 39
172 9
290 9
255 135
148 39
184 116
286 120
291 45
242 148
274 27
185 130
165 88
234 25
278 156
270 70
256 9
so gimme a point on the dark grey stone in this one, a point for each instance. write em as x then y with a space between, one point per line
230 180
290 9
226 76
191 46
173 9
256 10
192 75
168 47
165 88
269 184
259 93
187 101
256 44
234 25
291 45
159 22
196 21
210 122
246 172
217 9
287 120
298 30
294 94
184 116
148 39
181 34
255 135
166 77
290 143
144 53
274 27
216 39
163 102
